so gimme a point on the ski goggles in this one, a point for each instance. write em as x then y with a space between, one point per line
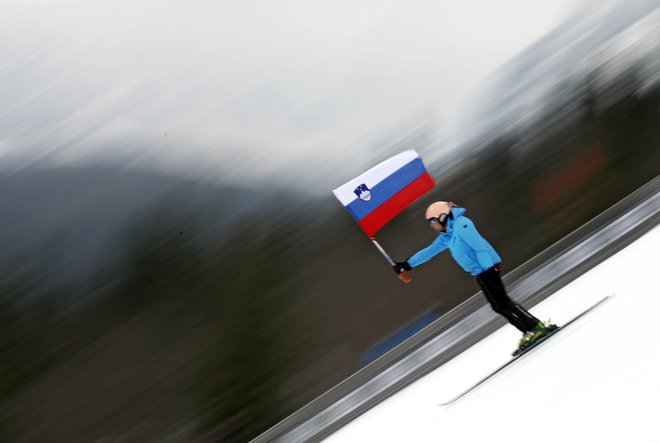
442 220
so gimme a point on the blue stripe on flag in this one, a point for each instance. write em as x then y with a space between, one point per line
387 188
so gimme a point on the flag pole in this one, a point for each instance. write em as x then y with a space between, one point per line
402 276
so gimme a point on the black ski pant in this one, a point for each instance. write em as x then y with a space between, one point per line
493 287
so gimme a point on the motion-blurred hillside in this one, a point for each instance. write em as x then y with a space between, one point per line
139 307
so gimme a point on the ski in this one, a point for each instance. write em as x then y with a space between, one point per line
525 352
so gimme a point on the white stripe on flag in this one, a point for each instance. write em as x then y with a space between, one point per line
373 176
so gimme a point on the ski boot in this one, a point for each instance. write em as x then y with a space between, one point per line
530 338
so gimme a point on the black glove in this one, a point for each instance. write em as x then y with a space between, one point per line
400 267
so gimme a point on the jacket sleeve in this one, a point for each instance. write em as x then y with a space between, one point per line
468 232
438 245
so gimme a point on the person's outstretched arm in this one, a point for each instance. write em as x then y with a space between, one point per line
426 254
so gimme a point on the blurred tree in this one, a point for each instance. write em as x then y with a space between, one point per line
254 289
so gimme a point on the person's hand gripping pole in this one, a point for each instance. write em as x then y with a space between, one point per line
399 268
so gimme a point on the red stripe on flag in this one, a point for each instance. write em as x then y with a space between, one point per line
400 201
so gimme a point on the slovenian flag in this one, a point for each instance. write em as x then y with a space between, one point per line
377 196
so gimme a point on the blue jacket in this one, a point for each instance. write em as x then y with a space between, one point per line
467 246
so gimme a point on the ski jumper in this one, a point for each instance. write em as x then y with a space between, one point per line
476 256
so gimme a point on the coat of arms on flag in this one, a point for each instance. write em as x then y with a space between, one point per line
363 192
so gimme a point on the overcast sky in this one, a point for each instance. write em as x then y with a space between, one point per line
246 90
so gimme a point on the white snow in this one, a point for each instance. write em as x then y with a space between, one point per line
598 380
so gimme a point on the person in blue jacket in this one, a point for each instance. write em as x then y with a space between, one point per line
475 255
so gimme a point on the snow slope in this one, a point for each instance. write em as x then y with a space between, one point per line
598 380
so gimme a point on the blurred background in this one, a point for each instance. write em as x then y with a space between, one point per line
173 264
